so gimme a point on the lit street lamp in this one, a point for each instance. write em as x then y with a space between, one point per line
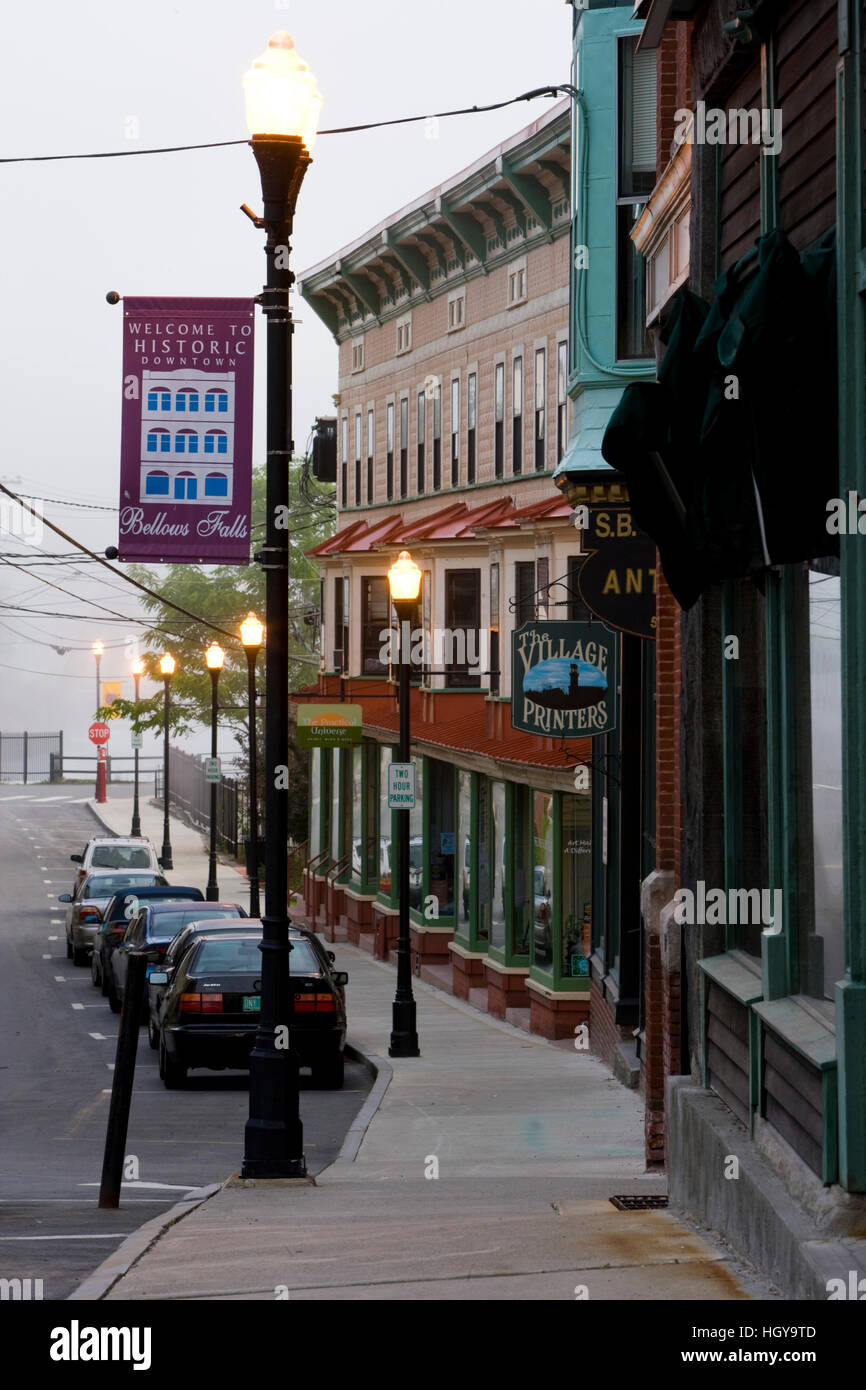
252 633
97 650
404 580
137 671
214 656
166 665
282 108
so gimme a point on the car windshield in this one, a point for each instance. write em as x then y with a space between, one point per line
106 885
241 956
121 857
165 925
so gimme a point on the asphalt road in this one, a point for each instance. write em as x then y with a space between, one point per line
57 1046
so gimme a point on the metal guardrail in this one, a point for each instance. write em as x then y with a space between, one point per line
26 757
189 794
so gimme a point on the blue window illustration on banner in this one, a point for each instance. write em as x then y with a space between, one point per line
186 486
216 485
185 443
158 441
156 484
216 441
217 399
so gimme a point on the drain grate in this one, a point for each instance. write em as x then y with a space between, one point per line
631 1203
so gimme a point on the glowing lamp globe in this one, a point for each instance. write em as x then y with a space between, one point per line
138 667
167 664
252 631
404 578
214 656
280 93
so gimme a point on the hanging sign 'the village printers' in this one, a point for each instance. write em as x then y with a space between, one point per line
187 430
563 679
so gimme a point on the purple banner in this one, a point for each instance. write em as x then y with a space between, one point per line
187 430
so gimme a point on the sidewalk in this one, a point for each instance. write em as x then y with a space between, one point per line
189 848
480 1171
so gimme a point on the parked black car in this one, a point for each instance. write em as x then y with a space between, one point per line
151 929
202 925
116 918
210 1013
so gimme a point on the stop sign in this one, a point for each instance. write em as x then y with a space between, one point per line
99 732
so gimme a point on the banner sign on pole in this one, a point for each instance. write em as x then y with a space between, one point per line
186 431
563 679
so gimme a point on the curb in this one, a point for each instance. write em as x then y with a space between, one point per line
91 806
130 1251
382 1072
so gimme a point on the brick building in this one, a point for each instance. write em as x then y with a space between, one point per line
453 412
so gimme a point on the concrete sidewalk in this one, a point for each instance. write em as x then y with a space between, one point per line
189 846
480 1171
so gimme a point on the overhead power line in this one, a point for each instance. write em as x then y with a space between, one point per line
551 91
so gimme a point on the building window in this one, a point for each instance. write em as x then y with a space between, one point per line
357 458
216 485
158 441
371 449
494 628
389 451
561 398
575 946
315 784
440 793
358 356
540 404
517 854
375 620
456 311
404 446
637 176
542 885
216 399
517 282
497 852
825 686
455 435
524 592
471 409
341 625
498 416
184 438
517 415
344 466
437 436
156 484
577 609
216 441
482 900
422 435
464 853
404 334
185 487
463 620
158 400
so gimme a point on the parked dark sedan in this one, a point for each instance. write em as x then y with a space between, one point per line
210 1013
151 929
204 924
117 917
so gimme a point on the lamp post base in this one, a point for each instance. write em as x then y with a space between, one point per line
166 856
404 1035
274 1168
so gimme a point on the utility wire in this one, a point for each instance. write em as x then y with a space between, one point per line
551 91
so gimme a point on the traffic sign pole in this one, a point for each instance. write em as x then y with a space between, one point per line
99 733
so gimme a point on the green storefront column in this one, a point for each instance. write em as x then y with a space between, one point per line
851 264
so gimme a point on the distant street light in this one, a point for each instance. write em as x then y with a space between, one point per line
166 665
252 633
404 580
214 656
137 672
282 108
97 650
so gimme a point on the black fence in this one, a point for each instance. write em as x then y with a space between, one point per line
189 795
27 757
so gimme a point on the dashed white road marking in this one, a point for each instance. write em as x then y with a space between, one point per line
100 1037
77 1006
60 979
54 938
117 1236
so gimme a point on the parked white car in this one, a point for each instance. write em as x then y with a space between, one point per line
120 852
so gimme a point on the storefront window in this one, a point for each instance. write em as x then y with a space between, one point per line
484 856
386 755
371 794
542 886
576 886
440 797
315 802
416 841
497 849
357 758
335 805
517 854
464 845
826 695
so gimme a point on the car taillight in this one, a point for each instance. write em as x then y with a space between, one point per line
211 1003
87 914
190 1003
315 1004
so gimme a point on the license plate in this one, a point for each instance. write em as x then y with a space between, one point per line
252 1003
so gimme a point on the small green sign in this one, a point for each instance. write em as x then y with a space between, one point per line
329 726
137 740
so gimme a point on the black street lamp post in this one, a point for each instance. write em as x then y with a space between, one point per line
251 636
282 111
404 578
214 656
137 669
166 666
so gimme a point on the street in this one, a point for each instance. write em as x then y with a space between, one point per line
58 1046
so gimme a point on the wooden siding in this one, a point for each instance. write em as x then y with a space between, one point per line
806 44
740 179
791 1098
728 1050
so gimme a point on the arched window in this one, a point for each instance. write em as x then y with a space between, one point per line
216 399
186 442
216 485
186 400
156 484
158 441
185 486
216 442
